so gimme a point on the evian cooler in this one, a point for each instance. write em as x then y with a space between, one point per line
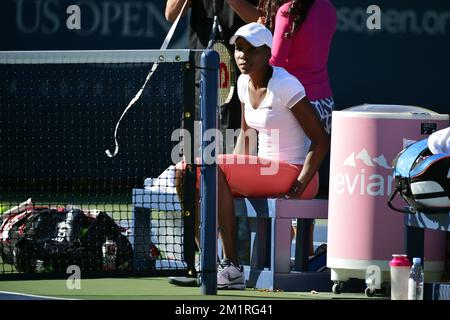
363 232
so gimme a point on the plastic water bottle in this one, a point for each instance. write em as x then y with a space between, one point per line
109 251
415 283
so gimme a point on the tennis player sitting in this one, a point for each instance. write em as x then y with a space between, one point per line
291 139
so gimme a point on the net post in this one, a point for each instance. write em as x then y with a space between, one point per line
189 184
208 109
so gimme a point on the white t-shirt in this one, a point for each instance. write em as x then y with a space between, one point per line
280 136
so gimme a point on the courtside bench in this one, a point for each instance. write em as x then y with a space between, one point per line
270 262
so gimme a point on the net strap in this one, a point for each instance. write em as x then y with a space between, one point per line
150 74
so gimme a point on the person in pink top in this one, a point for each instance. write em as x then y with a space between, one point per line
302 35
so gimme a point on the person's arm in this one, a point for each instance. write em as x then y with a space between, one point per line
245 10
281 46
173 8
247 140
320 143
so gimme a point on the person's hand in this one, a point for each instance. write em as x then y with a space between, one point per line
294 192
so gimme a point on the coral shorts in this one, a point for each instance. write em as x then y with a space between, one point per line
255 177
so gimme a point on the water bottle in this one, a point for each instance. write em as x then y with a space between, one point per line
109 251
39 267
42 266
415 283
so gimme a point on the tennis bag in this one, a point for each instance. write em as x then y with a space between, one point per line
422 179
51 240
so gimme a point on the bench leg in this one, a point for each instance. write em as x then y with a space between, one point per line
281 245
142 239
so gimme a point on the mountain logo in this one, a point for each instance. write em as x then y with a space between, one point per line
363 181
364 157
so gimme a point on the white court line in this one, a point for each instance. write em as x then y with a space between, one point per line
33 295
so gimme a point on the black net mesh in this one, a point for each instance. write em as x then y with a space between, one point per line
56 120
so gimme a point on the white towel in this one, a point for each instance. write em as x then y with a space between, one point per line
167 178
162 193
164 184
439 141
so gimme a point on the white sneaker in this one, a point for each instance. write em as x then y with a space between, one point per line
231 277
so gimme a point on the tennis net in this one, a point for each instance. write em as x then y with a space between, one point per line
58 112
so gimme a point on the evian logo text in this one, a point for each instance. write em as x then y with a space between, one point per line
357 177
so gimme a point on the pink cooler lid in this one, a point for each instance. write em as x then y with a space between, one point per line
400 260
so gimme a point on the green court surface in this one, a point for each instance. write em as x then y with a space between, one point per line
152 289
147 288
